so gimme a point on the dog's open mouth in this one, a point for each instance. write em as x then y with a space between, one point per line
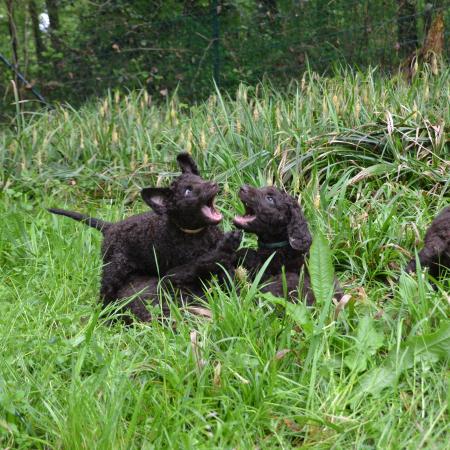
210 212
247 218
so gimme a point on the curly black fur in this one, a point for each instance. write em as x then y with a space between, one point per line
436 251
278 221
185 282
180 230
144 291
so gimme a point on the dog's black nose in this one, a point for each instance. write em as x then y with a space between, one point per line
244 188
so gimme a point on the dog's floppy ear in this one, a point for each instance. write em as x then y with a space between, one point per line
299 236
187 164
156 198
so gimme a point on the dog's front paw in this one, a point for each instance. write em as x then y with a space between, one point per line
411 267
231 241
179 278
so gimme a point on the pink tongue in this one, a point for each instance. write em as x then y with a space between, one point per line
243 220
211 213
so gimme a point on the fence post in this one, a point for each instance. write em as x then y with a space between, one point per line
216 41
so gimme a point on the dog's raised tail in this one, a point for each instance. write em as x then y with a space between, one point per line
91 221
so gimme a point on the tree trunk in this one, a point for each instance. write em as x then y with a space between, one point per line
12 33
431 51
53 16
270 6
14 42
25 45
192 8
38 42
407 26
430 9
267 13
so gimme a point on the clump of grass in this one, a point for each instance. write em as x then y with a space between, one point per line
371 172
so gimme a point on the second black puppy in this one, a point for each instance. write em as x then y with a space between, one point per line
278 221
181 228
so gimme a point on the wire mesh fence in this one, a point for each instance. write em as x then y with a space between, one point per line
222 43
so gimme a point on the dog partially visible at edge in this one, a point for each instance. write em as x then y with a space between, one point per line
180 230
435 253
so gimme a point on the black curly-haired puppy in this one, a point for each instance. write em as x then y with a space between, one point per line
180 230
436 251
278 221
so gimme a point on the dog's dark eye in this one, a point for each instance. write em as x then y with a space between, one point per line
187 192
269 198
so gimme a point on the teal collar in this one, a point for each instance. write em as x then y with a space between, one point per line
273 244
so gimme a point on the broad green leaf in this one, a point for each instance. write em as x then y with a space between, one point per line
433 345
322 282
321 269
377 379
298 311
368 341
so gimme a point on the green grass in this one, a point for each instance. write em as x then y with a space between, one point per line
369 160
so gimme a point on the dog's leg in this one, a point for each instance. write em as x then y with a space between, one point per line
427 256
115 272
249 258
213 264
222 257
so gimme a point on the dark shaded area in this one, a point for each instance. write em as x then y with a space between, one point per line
86 48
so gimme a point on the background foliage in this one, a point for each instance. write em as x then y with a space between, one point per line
90 46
